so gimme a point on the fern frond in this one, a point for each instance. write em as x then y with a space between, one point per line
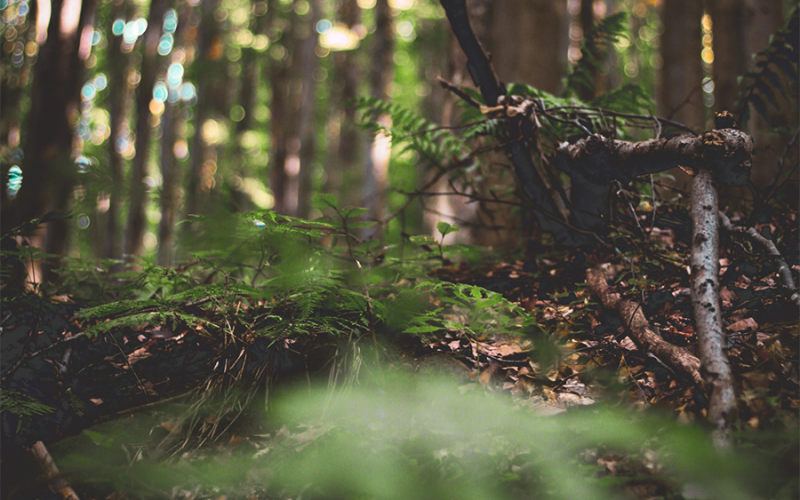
22 405
759 85
413 131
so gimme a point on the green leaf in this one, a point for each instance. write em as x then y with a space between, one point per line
355 211
324 200
446 228
422 329
422 240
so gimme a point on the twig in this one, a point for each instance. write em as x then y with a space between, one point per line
783 269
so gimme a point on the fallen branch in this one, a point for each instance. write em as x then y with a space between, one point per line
55 481
639 329
704 263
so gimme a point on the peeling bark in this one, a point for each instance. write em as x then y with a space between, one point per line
639 330
704 262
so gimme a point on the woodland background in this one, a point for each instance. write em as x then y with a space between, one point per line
135 116
203 198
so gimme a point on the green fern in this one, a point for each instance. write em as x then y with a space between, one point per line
759 85
416 133
23 405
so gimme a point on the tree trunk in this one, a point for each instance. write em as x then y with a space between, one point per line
202 162
169 187
48 169
730 60
762 18
376 157
681 96
307 114
119 102
14 83
344 149
526 42
279 77
144 93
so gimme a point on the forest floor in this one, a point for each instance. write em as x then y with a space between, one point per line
151 433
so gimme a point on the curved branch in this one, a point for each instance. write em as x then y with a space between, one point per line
640 331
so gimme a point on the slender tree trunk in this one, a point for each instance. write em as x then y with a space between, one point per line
144 93
376 157
455 209
201 160
12 86
119 101
730 60
681 97
279 77
307 115
169 187
342 175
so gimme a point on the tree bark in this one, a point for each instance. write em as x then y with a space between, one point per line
137 222
376 157
169 187
681 95
704 262
307 115
279 77
730 59
342 174
202 162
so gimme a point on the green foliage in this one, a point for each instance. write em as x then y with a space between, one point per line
465 309
399 437
594 50
22 405
415 133
776 64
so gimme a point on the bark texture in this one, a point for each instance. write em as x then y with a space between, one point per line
640 331
704 262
